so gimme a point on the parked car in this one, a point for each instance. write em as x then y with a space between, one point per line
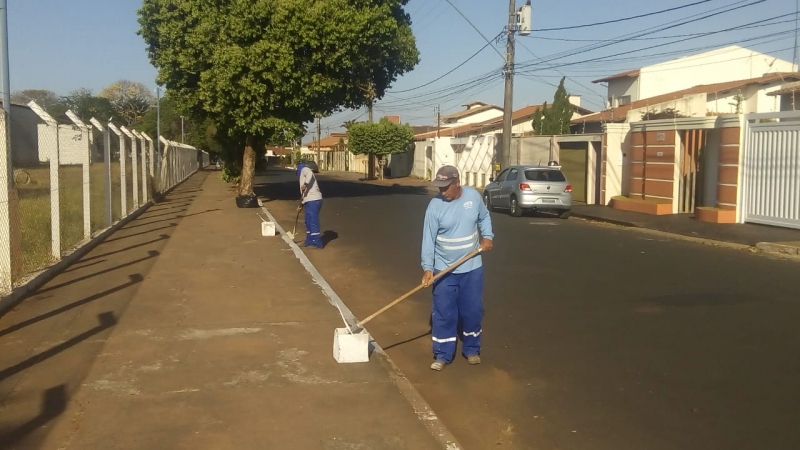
534 188
312 165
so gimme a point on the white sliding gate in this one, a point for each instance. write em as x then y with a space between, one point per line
771 169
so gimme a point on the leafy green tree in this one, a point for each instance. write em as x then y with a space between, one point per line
380 139
85 105
556 119
260 69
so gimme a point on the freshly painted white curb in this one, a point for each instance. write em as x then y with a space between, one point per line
424 412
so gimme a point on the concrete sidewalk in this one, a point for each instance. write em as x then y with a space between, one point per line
187 329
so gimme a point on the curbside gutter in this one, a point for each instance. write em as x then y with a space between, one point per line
424 412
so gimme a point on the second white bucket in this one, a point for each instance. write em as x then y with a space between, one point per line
268 228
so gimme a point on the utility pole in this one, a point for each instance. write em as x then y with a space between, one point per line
438 127
182 136
508 103
371 97
319 138
7 192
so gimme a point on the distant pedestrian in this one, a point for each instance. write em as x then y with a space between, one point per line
312 202
456 223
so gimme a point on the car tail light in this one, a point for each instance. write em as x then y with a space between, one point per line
569 188
524 187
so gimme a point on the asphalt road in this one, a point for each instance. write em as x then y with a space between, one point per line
595 337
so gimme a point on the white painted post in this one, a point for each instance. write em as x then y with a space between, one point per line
143 152
134 166
151 159
87 159
107 166
52 153
122 180
165 155
6 185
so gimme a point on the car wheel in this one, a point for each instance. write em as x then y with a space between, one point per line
487 201
516 211
565 214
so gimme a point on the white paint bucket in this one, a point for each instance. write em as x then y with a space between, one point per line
350 348
268 228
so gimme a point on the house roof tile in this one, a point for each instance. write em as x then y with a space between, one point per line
627 74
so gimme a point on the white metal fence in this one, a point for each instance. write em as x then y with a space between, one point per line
771 169
62 184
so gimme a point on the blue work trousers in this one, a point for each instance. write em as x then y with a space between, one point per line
313 235
457 313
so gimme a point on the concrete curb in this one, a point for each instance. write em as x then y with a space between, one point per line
424 412
778 248
766 248
38 279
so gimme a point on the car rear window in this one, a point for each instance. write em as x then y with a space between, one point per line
550 175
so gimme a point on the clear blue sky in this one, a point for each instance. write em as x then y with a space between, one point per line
60 45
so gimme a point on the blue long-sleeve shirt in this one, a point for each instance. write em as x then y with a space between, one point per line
453 229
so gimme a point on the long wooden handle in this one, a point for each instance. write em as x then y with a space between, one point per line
413 291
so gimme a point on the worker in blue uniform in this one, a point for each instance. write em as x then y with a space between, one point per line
312 202
456 223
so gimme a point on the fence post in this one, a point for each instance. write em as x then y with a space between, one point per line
87 159
134 167
6 187
122 178
166 155
107 166
144 164
151 160
55 211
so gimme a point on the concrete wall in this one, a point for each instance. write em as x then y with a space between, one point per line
24 137
474 159
621 87
615 169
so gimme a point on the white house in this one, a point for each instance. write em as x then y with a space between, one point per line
716 66
471 147
475 112
752 95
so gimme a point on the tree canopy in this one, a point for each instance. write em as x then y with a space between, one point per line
556 119
130 100
260 69
382 138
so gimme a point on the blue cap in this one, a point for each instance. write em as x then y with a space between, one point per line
300 168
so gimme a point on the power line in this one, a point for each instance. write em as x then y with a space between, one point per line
673 36
446 74
476 29
652 46
573 27
652 30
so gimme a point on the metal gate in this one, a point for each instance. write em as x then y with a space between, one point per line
690 183
771 169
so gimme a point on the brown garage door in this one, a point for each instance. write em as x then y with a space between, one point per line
573 164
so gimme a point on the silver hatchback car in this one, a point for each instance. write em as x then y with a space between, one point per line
536 188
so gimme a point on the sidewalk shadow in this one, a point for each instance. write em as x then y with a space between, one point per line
54 403
427 333
106 319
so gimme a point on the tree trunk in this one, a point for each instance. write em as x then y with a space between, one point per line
248 168
371 166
